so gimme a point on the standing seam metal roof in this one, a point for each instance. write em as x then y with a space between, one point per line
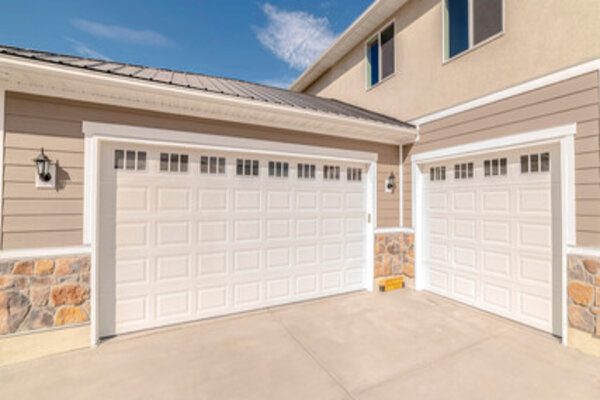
212 84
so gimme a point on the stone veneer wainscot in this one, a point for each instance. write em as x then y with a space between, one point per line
44 293
395 256
584 294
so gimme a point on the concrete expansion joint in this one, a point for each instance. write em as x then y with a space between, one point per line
312 356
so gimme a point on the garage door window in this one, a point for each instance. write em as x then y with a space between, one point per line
463 171
306 171
331 172
531 163
354 174
495 167
247 167
212 165
130 160
173 162
278 169
437 174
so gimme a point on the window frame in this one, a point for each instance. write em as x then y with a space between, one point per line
371 39
446 40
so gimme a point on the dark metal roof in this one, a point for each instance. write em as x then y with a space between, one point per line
212 84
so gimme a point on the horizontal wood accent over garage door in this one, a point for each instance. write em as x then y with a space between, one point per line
40 218
570 101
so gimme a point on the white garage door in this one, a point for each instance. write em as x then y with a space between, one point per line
488 233
188 234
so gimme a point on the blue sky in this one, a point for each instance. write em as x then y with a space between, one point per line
268 42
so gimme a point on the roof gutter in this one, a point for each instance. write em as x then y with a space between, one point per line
378 13
40 78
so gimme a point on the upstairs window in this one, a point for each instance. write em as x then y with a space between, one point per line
468 23
380 56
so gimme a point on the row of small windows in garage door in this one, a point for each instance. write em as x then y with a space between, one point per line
174 162
530 163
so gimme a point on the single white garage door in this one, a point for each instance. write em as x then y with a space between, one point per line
488 233
190 233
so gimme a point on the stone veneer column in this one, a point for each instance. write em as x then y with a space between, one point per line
44 293
583 290
395 256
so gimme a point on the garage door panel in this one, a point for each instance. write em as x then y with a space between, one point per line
210 264
173 233
279 257
278 289
496 263
173 305
246 294
465 287
212 299
495 232
464 229
213 200
133 199
174 199
534 270
489 238
464 201
495 201
208 242
332 280
439 279
534 235
465 257
134 271
495 296
173 267
247 230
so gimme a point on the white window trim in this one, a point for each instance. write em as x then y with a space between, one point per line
377 37
98 133
563 135
446 44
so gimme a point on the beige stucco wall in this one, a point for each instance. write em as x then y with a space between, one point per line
541 36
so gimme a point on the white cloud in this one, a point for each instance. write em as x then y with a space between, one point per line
295 37
283 83
83 50
121 34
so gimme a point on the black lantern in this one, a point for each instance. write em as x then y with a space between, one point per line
391 182
42 166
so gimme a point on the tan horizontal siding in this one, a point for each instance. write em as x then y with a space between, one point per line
41 218
388 204
13 207
542 95
42 239
571 101
42 223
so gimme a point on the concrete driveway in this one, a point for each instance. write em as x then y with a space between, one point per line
399 345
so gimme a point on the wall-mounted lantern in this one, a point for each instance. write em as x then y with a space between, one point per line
390 183
45 176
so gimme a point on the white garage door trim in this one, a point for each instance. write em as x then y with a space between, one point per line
561 135
96 134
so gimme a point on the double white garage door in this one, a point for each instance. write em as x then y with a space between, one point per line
488 233
187 234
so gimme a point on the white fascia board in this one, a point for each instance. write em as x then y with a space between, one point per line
41 78
512 91
129 133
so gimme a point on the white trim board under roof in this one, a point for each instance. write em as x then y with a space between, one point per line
97 81
378 13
